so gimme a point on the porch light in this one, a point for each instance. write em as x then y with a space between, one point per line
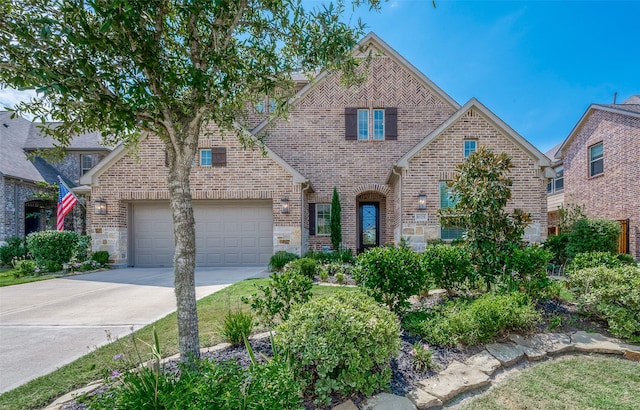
284 206
422 202
100 207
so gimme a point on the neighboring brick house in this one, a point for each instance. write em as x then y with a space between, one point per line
388 145
602 167
22 210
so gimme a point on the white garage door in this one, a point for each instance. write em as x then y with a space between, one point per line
228 233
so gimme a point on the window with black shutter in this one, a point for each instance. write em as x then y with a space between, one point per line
350 124
391 123
312 219
219 156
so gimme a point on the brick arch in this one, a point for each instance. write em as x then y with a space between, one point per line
372 187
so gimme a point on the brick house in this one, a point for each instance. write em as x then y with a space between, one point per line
22 210
602 167
388 145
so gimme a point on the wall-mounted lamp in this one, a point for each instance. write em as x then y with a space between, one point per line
284 206
100 207
422 202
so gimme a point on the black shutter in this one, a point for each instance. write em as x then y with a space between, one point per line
312 219
350 124
391 123
219 156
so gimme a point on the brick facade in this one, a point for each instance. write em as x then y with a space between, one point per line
614 194
312 142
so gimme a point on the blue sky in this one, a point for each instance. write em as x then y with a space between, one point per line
536 64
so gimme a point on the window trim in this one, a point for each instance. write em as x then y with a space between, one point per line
318 208
201 162
592 161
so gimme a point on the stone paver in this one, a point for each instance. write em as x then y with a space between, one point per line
596 343
507 353
423 400
347 405
454 380
532 352
386 401
552 343
632 355
484 362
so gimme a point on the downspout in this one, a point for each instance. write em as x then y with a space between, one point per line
302 192
393 170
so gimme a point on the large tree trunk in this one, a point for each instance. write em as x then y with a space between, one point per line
184 259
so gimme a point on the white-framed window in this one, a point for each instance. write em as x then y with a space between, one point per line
469 147
205 158
375 117
86 163
260 106
323 219
596 160
448 200
557 183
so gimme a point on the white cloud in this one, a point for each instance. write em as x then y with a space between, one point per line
9 97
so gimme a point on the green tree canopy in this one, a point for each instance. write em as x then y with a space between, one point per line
123 67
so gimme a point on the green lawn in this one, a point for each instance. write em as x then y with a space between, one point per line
572 382
7 277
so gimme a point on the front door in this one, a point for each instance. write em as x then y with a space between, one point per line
369 225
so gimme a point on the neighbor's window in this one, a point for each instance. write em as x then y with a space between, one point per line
323 219
557 183
469 147
205 158
86 163
596 160
448 200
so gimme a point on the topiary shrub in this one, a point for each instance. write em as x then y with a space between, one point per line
473 321
273 301
340 344
613 294
391 275
448 267
589 235
102 257
58 246
306 267
14 248
280 259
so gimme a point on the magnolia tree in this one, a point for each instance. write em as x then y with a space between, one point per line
165 67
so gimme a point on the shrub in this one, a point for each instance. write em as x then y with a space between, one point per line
280 259
274 301
340 278
236 326
26 267
593 259
340 344
613 294
83 248
52 266
306 267
473 321
102 257
14 248
627 259
391 275
56 246
557 245
343 255
324 275
593 235
449 267
526 270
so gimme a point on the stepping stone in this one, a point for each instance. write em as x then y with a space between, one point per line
386 401
507 353
423 400
530 351
552 343
454 380
596 343
347 405
632 355
484 362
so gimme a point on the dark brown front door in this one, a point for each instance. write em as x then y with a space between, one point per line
368 225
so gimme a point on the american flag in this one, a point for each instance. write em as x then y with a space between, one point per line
66 201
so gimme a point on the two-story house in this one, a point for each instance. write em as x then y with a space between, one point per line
602 167
22 209
389 146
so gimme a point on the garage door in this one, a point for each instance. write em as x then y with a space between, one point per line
228 233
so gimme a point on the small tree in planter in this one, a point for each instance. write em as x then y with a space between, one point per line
335 221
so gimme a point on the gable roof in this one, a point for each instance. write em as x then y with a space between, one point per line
369 41
630 108
13 160
542 160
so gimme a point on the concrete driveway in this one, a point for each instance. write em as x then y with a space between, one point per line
45 325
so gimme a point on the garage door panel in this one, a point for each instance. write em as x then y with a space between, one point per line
227 233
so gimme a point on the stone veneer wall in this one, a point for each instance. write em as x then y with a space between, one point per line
614 194
436 163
